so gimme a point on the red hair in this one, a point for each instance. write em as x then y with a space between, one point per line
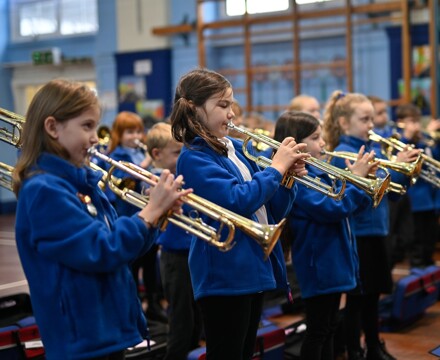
123 121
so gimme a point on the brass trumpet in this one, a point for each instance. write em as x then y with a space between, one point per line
429 138
6 176
384 164
375 188
412 170
104 136
265 235
289 178
11 135
141 145
390 144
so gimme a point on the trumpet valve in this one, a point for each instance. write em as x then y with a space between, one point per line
288 180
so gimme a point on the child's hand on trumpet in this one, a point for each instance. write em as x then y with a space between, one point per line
408 154
289 156
164 197
364 163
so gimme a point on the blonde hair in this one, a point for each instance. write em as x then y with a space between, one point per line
158 137
61 99
339 105
297 103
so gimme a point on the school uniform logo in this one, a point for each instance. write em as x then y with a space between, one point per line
85 199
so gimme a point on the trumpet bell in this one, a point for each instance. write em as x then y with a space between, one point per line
12 133
417 169
412 170
378 188
270 238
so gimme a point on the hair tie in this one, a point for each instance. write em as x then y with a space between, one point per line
340 95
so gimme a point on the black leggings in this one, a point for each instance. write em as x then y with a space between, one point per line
231 324
362 314
322 321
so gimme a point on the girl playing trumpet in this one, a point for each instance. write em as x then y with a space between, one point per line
68 233
229 286
323 246
348 118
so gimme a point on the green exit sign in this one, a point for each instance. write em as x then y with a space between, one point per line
42 57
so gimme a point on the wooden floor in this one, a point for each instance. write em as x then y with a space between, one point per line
412 343
12 279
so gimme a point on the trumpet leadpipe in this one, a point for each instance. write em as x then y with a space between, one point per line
141 145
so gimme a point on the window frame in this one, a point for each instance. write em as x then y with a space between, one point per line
14 18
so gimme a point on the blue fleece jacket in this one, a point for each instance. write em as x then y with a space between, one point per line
323 246
371 221
123 207
174 238
216 178
75 260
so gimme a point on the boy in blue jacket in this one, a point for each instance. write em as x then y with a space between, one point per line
423 193
183 312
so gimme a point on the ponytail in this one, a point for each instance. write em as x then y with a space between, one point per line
192 92
339 105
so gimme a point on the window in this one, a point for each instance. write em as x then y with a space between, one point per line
238 7
52 18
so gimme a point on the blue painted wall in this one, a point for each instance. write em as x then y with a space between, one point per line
5 74
183 48
100 47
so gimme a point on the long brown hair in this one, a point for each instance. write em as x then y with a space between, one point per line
62 99
123 121
299 125
193 90
339 105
